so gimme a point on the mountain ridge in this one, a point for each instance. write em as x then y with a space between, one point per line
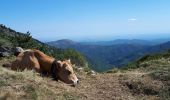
116 55
114 42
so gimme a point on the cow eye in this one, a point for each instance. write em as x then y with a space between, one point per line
64 65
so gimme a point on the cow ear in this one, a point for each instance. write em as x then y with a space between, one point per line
59 63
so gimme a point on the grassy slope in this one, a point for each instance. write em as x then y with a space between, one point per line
150 81
157 68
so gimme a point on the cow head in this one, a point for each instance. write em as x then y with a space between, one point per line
65 73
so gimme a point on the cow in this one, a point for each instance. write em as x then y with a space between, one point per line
45 65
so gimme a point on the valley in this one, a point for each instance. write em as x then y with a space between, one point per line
106 55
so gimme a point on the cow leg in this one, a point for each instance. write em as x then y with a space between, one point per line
15 65
26 61
44 73
35 64
7 65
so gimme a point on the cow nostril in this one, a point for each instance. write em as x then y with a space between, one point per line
77 81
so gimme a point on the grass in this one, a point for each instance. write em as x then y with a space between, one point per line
3 83
165 93
28 85
143 86
155 81
69 96
148 82
157 59
162 75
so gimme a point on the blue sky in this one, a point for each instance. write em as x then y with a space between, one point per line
81 20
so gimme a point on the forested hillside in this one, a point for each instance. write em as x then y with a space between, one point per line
103 57
10 38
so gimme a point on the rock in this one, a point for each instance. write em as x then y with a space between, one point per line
5 51
8 51
4 54
80 68
17 50
93 72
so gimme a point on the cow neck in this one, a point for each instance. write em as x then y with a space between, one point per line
54 70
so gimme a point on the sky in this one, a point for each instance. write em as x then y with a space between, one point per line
88 20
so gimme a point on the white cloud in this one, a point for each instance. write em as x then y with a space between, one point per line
132 19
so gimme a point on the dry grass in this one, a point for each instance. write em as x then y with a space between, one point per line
127 85
28 85
155 81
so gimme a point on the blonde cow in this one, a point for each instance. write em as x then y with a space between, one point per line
41 63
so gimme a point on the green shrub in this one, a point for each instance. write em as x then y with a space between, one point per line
147 58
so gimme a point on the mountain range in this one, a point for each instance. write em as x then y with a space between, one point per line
106 55
127 41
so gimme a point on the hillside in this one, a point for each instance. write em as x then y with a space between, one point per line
64 43
149 81
10 38
102 57
160 47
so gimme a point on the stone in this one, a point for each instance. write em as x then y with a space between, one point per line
4 54
17 50
93 72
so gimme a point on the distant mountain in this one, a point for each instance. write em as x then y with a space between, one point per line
105 56
127 41
64 43
160 47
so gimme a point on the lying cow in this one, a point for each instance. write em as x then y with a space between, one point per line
41 63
